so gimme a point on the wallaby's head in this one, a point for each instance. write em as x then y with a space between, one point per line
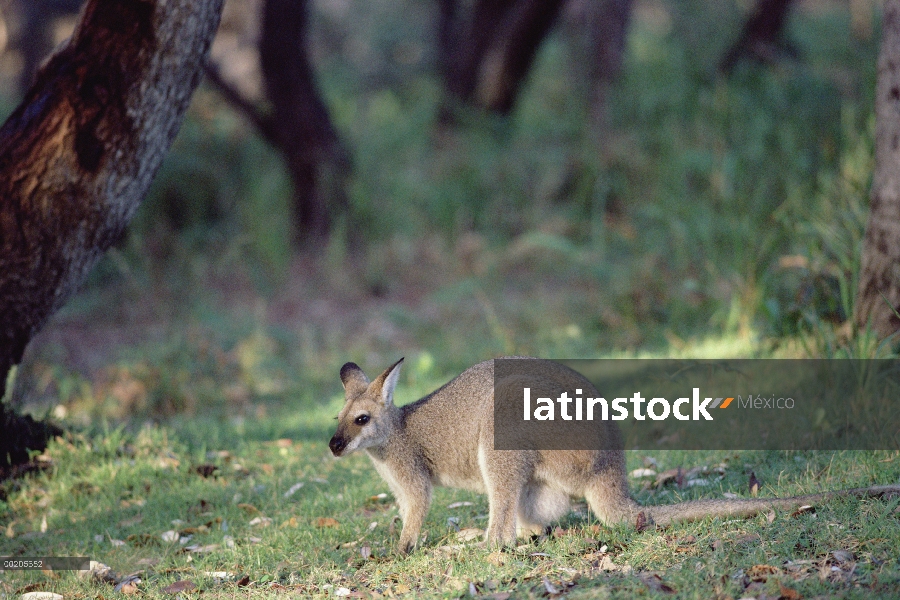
368 416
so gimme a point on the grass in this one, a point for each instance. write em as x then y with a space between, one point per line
114 495
717 218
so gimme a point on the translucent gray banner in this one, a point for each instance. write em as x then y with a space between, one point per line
696 404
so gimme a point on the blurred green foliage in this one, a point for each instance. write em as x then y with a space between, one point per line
713 215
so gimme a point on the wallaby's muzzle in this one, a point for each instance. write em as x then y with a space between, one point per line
337 444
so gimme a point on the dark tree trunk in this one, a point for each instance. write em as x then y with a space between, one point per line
761 38
487 53
78 155
878 299
303 128
298 124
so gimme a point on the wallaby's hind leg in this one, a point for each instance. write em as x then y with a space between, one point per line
607 495
539 506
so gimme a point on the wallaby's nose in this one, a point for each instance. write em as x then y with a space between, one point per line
337 444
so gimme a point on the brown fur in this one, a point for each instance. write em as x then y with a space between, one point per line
447 438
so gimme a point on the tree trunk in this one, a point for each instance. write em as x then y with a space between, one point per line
604 24
78 155
762 35
301 127
879 286
487 53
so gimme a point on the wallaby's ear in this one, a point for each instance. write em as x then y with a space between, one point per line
388 381
353 378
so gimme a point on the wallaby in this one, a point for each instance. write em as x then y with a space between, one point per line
447 438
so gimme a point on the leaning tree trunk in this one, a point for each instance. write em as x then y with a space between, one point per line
879 286
78 155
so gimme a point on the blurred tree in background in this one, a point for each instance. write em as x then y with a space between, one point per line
297 122
879 286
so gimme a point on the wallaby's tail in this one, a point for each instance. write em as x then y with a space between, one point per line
698 509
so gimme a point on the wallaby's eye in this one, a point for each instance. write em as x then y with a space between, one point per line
361 420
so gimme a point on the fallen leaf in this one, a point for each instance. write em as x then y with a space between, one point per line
128 585
206 470
129 589
641 522
669 475
365 552
806 508
248 508
326 522
201 549
140 539
770 516
170 536
179 586
551 589
267 468
655 583
750 538
497 558
292 522
468 534
843 556
761 572
293 489
457 504
754 484
638 473
40 596
260 521
789 593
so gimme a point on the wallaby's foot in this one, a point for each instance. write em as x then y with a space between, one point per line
405 547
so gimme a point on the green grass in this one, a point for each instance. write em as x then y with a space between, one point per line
716 218
335 531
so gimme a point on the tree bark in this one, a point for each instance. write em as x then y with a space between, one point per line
300 125
605 24
878 299
78 155
487 53
762 35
